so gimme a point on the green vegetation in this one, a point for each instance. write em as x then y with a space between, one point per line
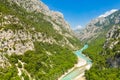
45 65
95 47
100 69
103 74
75 42
47 61
28 19
9 73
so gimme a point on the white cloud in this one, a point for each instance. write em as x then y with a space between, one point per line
108 13
78 27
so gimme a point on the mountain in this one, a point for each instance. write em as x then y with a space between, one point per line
105 54
103 37
37 6
99 25
112 47
108 13
35 42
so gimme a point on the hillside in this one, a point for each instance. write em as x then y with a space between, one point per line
35 42
103 36
99 26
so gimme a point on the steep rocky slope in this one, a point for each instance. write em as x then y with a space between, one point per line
105 56
99 26
103 37
112 47
35 42
55 18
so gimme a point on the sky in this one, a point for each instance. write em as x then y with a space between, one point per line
78 13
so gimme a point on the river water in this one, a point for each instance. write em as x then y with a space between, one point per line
78 70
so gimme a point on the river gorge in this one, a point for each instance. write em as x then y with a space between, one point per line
78 71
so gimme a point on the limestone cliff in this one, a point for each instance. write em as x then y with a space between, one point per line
36 43
99 26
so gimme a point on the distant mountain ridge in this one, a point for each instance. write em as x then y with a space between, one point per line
108 13
103 37
99 25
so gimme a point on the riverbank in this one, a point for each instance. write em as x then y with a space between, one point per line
78 71
82 64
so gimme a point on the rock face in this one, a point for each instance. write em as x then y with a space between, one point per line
35 42
3 61
99 26
32 5
113 43
19 41
18 36
107 26
56 18
112 37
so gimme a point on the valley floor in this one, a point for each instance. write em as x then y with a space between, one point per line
77 72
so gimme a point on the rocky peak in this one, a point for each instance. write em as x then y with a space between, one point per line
32 5
100 25
108 13
52 16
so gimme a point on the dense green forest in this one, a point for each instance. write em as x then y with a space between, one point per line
41 65
100 69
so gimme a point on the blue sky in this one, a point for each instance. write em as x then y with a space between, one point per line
80 12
